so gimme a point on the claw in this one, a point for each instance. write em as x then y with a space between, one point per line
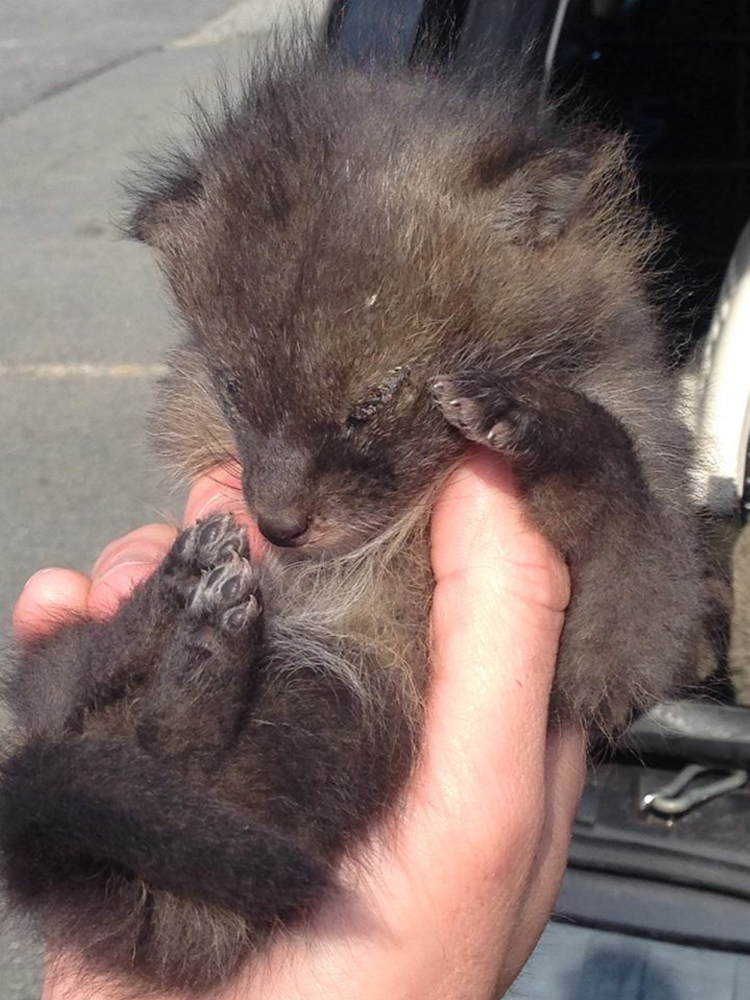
236 619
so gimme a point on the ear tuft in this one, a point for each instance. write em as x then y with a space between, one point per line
159 193
559 180
534 195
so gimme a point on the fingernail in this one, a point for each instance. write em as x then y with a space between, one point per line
128 557
38 575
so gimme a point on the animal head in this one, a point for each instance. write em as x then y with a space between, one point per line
334 240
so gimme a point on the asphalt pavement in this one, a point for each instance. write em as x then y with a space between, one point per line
84 321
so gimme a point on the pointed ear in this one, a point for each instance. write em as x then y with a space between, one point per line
535 197
160 193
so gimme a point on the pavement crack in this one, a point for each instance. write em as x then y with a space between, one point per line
92 74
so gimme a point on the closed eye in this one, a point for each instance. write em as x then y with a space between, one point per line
377 397
364 411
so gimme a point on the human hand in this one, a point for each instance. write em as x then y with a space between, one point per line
449 902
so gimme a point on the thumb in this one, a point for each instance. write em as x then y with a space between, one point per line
479 525
500 595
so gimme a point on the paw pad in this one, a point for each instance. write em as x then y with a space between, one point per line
226 601
206 544
243 616
218 538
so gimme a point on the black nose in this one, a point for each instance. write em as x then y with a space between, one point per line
285 527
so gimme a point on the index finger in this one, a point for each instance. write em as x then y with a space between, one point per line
217 491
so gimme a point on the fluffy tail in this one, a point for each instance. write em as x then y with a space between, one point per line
75 809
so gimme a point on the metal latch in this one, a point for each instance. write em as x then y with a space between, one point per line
677 797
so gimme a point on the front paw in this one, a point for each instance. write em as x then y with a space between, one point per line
493 412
